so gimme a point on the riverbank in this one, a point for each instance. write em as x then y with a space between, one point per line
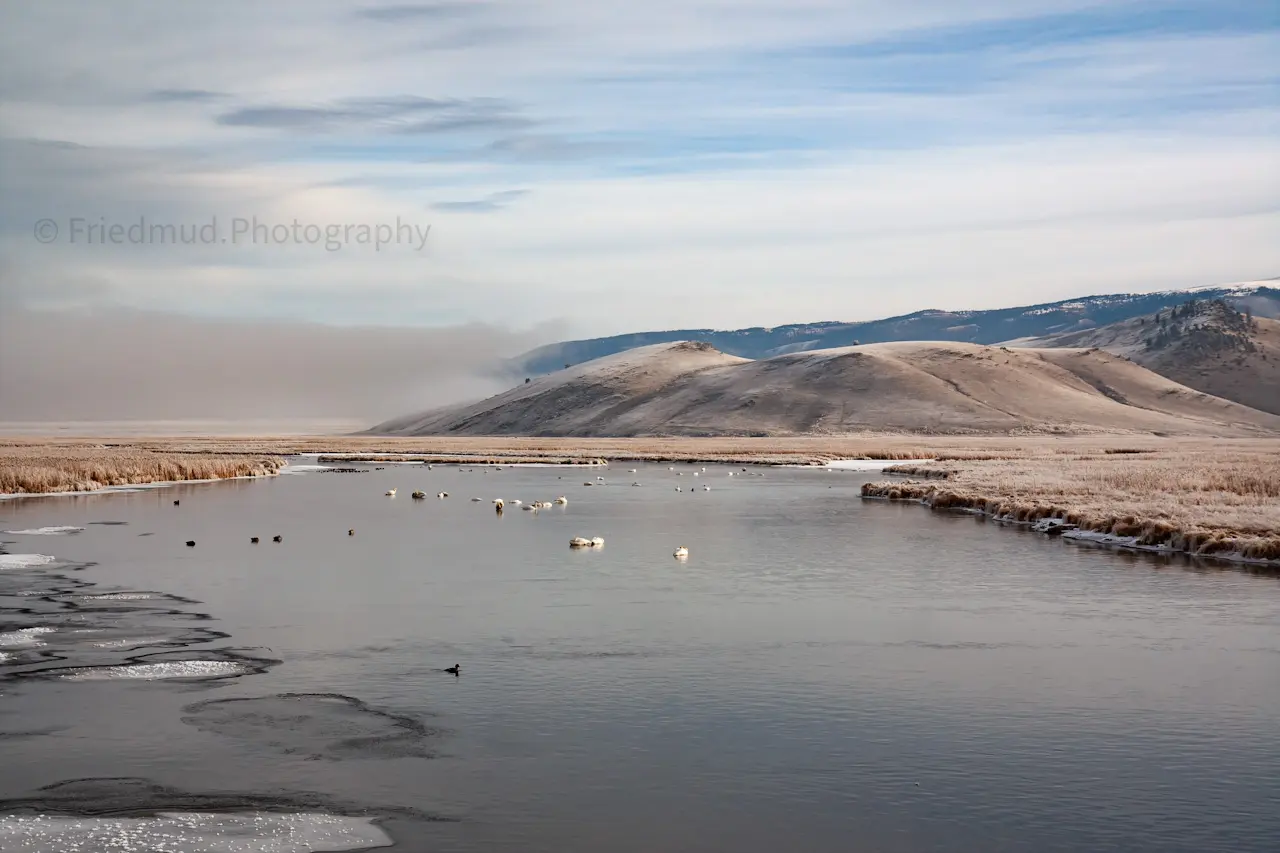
1220 502
70 467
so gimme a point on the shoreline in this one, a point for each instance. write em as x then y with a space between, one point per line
1127 532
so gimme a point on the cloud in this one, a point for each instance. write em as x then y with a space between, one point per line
400 114
491 202
418 12
184 95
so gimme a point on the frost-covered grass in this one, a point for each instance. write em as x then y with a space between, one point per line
80 468
1221 498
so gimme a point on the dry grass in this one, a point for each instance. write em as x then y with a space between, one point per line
75 469
1203 500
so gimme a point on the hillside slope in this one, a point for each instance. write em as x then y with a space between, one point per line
939 387
983 327
1205 345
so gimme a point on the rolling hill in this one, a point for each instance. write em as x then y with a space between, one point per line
1204 344
983 327
692 389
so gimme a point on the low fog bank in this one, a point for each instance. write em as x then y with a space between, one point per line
121 364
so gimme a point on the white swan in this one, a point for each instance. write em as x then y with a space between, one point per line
562 500
601 479
695 473
704 469
680 552
499 503
516 503
597 542
391 493
579 542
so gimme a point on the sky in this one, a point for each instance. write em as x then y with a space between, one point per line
574 169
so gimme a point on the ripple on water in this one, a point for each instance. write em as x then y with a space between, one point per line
192 832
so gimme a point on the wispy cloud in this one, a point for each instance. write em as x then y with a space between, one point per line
791 161
487 204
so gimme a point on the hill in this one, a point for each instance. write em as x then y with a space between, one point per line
937 387
1204 344
982 327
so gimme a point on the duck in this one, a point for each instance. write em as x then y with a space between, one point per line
443 495
678 489
680 551
191 543
277 538
175 503
635 484
351 532
706 488
454 670
253 540
391 493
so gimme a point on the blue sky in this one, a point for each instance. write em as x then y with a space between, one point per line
614 166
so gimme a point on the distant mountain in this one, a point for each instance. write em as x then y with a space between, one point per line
691 389
982 327
1205 344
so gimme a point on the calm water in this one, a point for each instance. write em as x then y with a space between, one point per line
821 674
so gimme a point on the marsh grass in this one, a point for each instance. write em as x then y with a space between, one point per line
1202 501
83 469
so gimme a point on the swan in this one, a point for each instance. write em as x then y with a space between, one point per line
597 542
730 473
545 505
475 500
681 552
391 493
516 503
671 467
499 503
600 479
562 500
579 542
418 495
704 470
529 508
443 495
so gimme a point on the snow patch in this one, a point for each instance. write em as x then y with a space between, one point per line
24 561
193 832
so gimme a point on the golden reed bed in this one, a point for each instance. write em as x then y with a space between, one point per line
43 469
1199 496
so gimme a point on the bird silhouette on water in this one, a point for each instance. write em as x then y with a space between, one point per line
454 670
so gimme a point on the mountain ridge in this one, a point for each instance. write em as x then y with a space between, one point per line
940 387
988 326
